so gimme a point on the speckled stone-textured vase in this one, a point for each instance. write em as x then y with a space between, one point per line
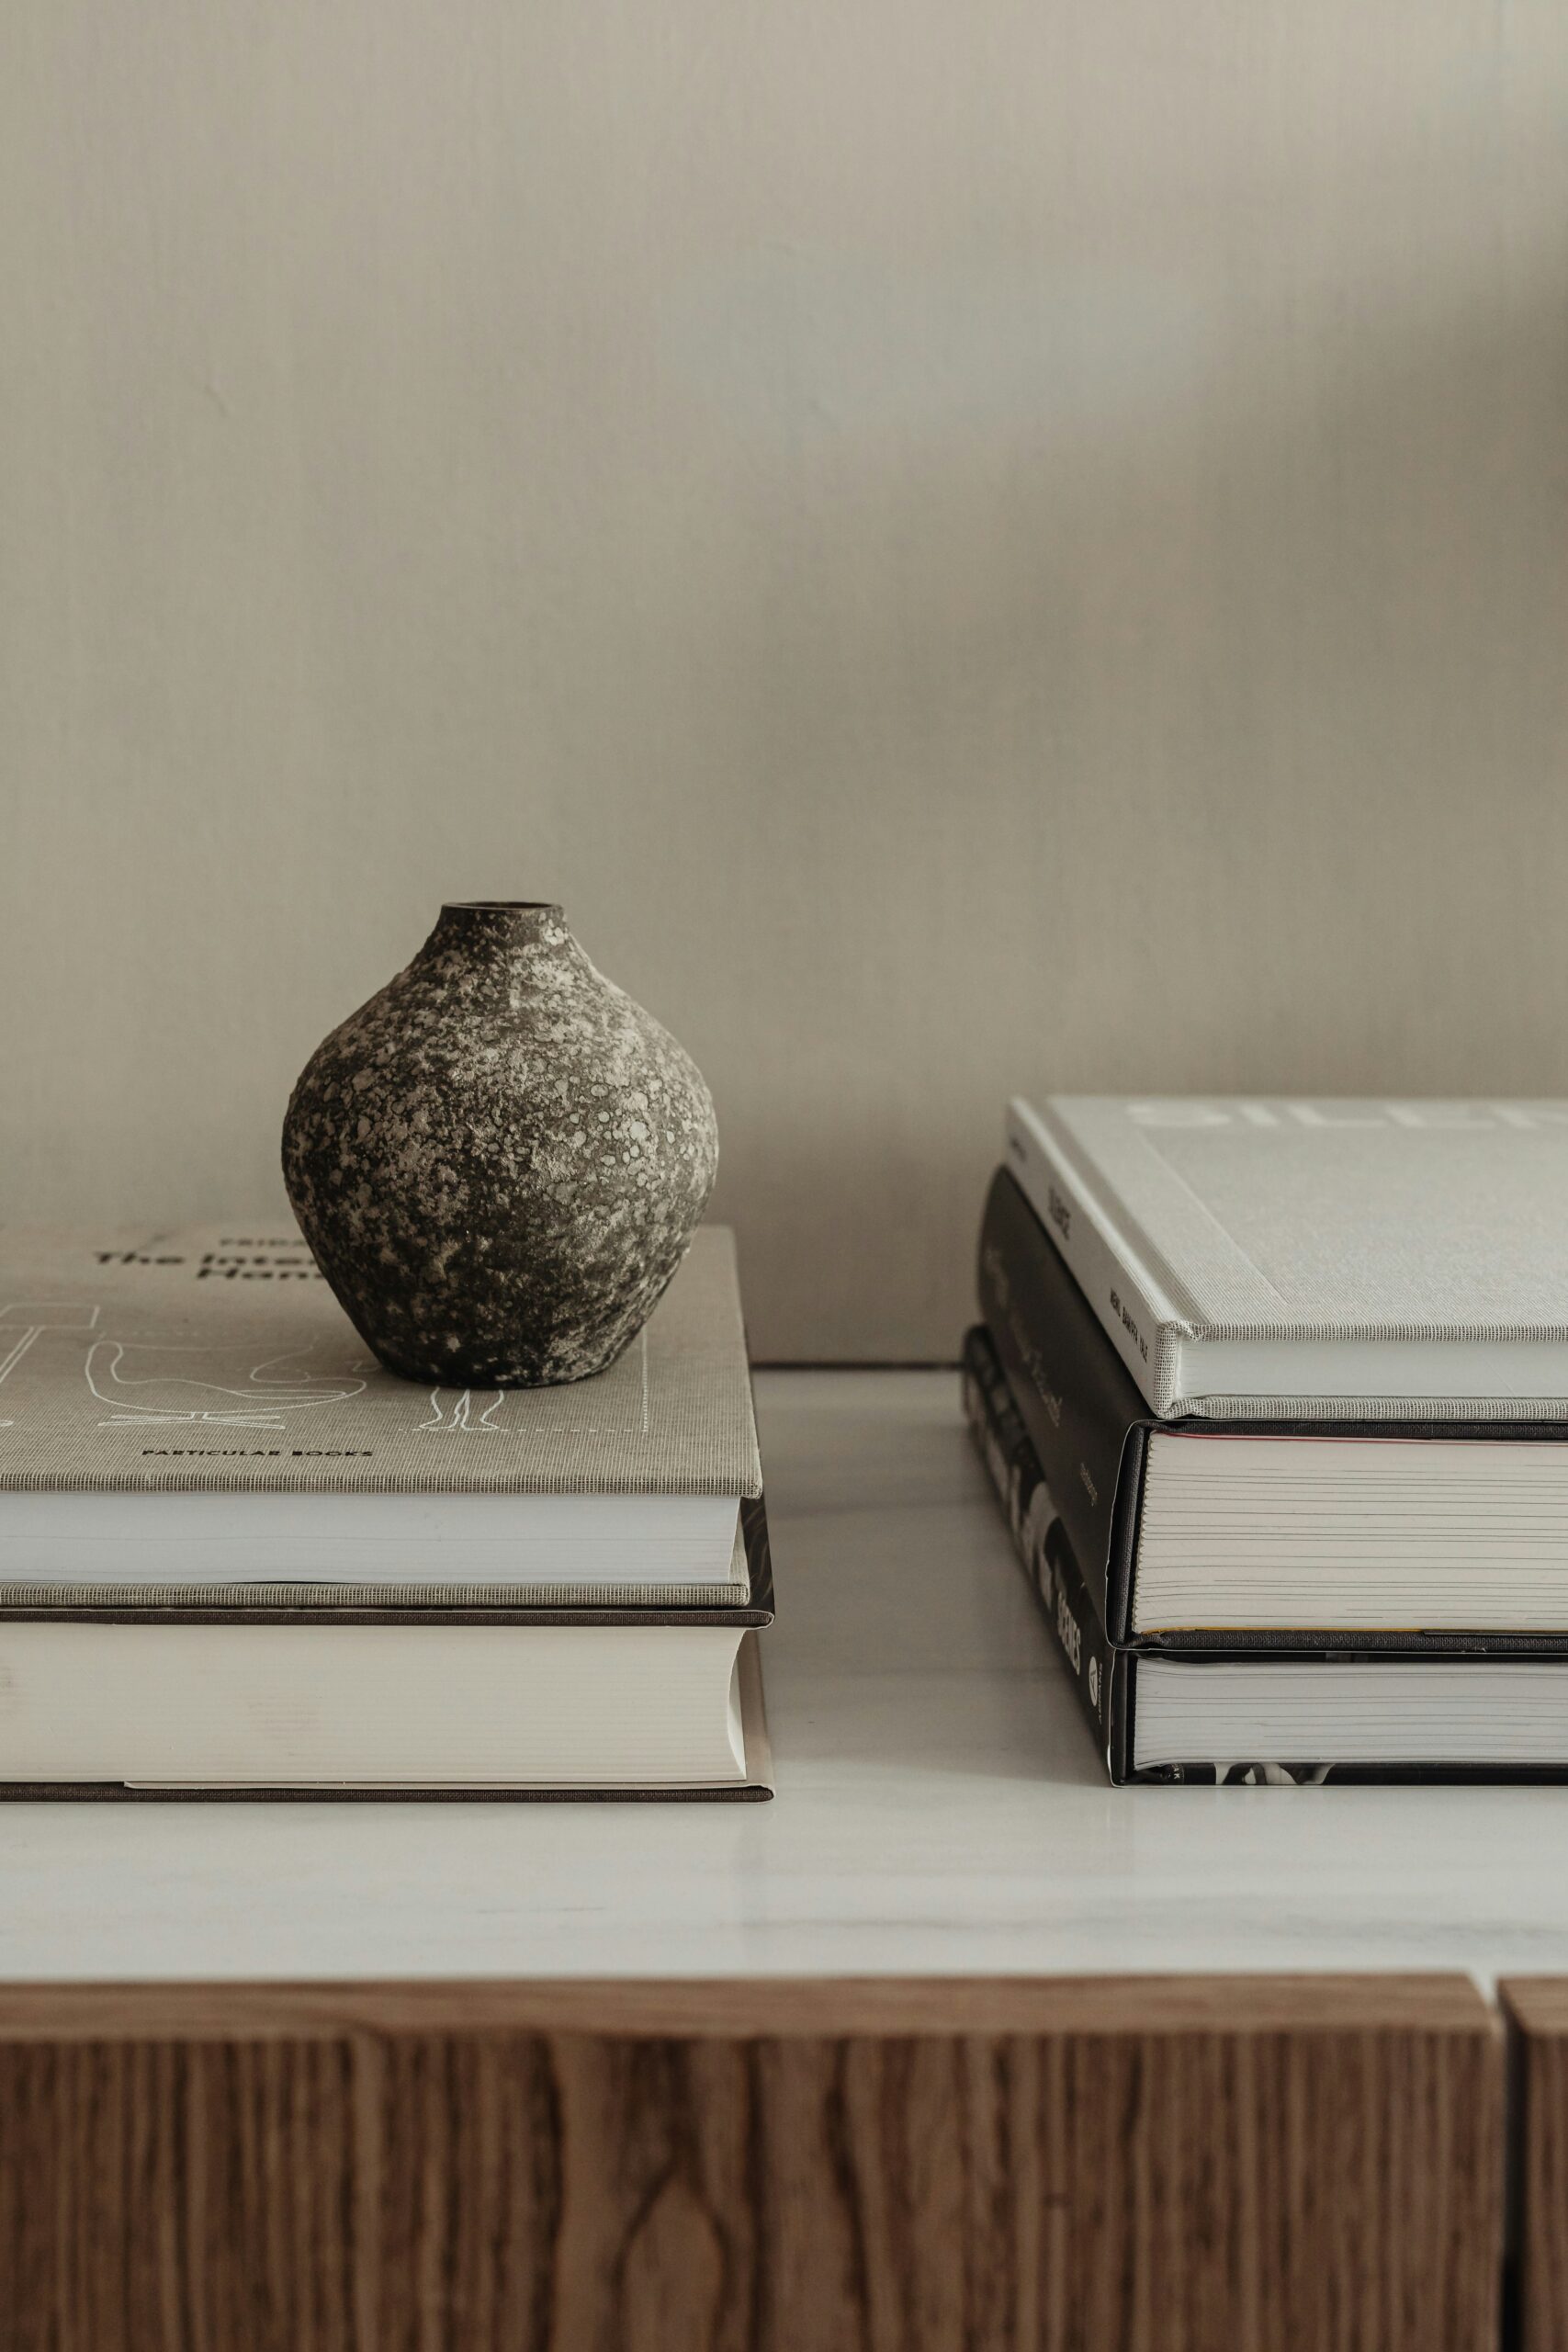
499 1162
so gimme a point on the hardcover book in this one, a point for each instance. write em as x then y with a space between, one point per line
190 1416
1295 1717
214 1358
237 1555
1374 1261
1247 1535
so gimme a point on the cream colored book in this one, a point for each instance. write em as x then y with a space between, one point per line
236 1555
1284 1259
327 1709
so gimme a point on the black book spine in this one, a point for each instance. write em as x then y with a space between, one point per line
1105 1676
1083 1413
1101 1676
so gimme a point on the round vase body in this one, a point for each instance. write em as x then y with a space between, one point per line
499 1160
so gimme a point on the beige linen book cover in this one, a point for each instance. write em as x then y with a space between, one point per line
214 1358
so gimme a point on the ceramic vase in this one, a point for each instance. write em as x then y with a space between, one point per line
499 1162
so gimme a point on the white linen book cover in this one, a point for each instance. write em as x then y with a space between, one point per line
1277 1259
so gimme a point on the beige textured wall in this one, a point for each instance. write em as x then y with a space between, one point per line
973 546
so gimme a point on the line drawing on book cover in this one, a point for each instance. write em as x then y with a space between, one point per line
227 1388
231 1389
31 1318
461 1421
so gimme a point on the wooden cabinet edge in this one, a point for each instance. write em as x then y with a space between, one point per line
754 2007
1536 2006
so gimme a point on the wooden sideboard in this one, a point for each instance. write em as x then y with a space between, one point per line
916 2166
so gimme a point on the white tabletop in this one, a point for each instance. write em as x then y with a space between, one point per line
940 1808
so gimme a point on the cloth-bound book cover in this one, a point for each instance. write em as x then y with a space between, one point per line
215 1358
1368 1259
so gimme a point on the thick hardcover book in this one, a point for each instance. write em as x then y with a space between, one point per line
1295 1720
203 1709
237 1557
215 1359
222 1696
1315 1260
1203 1535
188 1422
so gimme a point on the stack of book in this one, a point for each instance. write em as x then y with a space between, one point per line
1275 1394
238 1556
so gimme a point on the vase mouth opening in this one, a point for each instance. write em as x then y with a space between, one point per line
501 907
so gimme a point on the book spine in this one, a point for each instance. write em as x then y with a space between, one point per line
1100 1675
1084 1415
1136 1317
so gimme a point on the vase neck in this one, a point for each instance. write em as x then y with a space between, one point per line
509 933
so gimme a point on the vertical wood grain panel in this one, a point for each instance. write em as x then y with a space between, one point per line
1536 2009
367 2186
